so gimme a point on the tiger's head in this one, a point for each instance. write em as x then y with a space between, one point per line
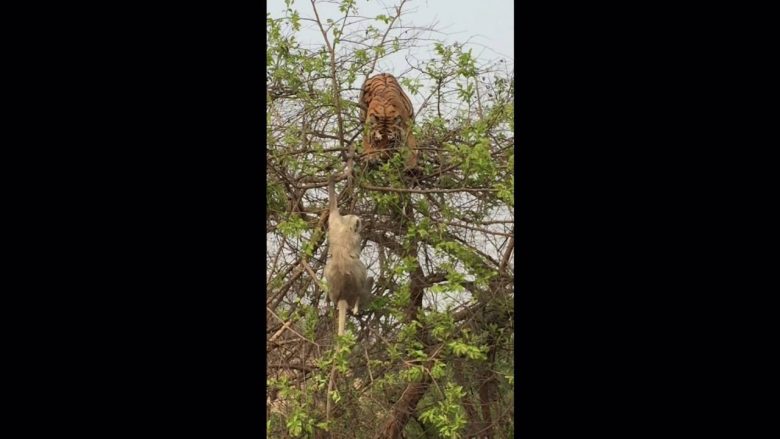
385 128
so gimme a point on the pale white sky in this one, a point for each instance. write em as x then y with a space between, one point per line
489 23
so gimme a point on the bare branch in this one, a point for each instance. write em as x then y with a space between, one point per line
425 191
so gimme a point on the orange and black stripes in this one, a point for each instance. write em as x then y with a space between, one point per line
388 115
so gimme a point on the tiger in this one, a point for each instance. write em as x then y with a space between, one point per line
388 115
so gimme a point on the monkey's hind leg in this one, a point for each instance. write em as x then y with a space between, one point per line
365 298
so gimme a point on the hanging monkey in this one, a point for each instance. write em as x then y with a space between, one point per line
346 275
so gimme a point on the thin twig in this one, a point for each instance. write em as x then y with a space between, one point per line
368 365
477 229
425 191
335 84
279 332
384 37
291 366
291 329
510 247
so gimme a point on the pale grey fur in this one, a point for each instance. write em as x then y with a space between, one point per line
346 275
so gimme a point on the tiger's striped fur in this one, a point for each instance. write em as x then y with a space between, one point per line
388 115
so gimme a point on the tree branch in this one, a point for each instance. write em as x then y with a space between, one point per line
425 191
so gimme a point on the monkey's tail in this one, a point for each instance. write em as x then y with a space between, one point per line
342 319
342 305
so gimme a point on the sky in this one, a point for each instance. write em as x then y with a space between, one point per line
489 23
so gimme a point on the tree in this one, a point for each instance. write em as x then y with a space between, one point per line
433 354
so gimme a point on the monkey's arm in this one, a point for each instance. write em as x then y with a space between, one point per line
365 298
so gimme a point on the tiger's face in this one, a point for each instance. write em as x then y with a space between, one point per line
385 130
385 133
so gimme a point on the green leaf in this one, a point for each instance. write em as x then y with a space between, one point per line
438 370
294 227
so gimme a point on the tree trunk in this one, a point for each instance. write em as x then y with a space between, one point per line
403 409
